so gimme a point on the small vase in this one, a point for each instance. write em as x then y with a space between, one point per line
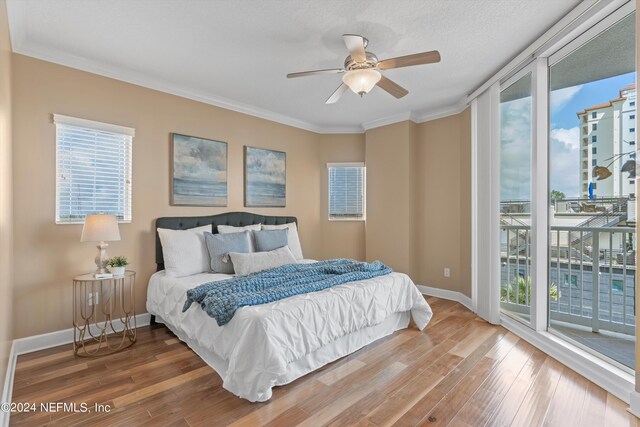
118 271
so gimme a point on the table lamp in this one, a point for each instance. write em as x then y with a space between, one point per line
100 228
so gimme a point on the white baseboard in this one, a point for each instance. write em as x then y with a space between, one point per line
610 378
40 342
53 339
447 294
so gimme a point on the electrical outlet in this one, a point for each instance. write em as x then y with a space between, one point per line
93 299
447 272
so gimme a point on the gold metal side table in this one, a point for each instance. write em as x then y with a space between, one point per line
104 318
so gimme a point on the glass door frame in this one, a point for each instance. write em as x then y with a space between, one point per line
539 71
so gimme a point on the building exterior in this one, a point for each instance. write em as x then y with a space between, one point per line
607 139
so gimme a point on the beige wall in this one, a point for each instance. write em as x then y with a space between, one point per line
6 187
388 154
442 195
419 200
47 255
412 171
340 239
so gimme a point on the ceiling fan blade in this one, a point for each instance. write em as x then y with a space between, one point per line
409 60
392 87
355 46
337 94
315 72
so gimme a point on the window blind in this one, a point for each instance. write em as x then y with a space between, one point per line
93 169
346 191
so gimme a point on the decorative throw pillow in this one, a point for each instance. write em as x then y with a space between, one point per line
184 251
220 245
294 240
268 240
257 261
224 229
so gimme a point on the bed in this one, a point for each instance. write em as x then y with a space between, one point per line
273 344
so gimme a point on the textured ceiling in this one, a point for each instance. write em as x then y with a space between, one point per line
236 53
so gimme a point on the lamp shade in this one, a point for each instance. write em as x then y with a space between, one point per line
361 81
100 228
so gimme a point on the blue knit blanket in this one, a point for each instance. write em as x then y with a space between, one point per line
221 299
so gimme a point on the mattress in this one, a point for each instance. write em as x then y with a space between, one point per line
273 344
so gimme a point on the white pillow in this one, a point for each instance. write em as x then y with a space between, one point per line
185 251
249 263
294 239
224 229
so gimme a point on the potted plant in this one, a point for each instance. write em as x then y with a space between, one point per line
117 265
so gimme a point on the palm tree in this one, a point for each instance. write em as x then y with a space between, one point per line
524 288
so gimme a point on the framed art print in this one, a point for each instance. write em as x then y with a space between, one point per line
199 171
265 177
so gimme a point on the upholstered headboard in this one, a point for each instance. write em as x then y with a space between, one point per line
237 219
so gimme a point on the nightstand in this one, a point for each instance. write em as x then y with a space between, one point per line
104 319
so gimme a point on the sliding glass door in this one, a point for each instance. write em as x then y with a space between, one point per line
567 188
592 167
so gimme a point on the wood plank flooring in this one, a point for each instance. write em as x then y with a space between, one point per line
460 371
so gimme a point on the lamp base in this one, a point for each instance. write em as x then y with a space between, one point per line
102 258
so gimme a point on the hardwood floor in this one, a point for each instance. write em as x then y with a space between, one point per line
460 371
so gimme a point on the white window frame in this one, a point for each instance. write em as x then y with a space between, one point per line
364 189
59 119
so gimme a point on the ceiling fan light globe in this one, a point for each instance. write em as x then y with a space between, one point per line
361 81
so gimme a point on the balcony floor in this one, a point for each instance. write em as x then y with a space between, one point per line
618 347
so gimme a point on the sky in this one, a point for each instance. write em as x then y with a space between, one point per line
564 155
565 133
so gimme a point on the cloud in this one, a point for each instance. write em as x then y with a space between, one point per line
266 166
569 137
564 161
561 97
199 159
515 150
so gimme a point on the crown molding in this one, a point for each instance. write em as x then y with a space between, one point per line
138 79
396 118
440 113
154 84
20 45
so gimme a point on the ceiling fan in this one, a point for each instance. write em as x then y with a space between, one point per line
362 69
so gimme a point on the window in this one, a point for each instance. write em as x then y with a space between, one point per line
632 103
594 185
594 115
632 181
93 169
347 193
632 129
594 162
594 126
632 143
574 280
594 150
594 138
632 117
616 285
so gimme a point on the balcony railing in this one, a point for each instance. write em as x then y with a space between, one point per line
591 269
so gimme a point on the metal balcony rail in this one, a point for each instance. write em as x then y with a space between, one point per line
592 269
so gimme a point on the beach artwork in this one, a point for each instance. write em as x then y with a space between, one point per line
199 171
265 177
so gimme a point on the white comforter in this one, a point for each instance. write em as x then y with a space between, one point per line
261 341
